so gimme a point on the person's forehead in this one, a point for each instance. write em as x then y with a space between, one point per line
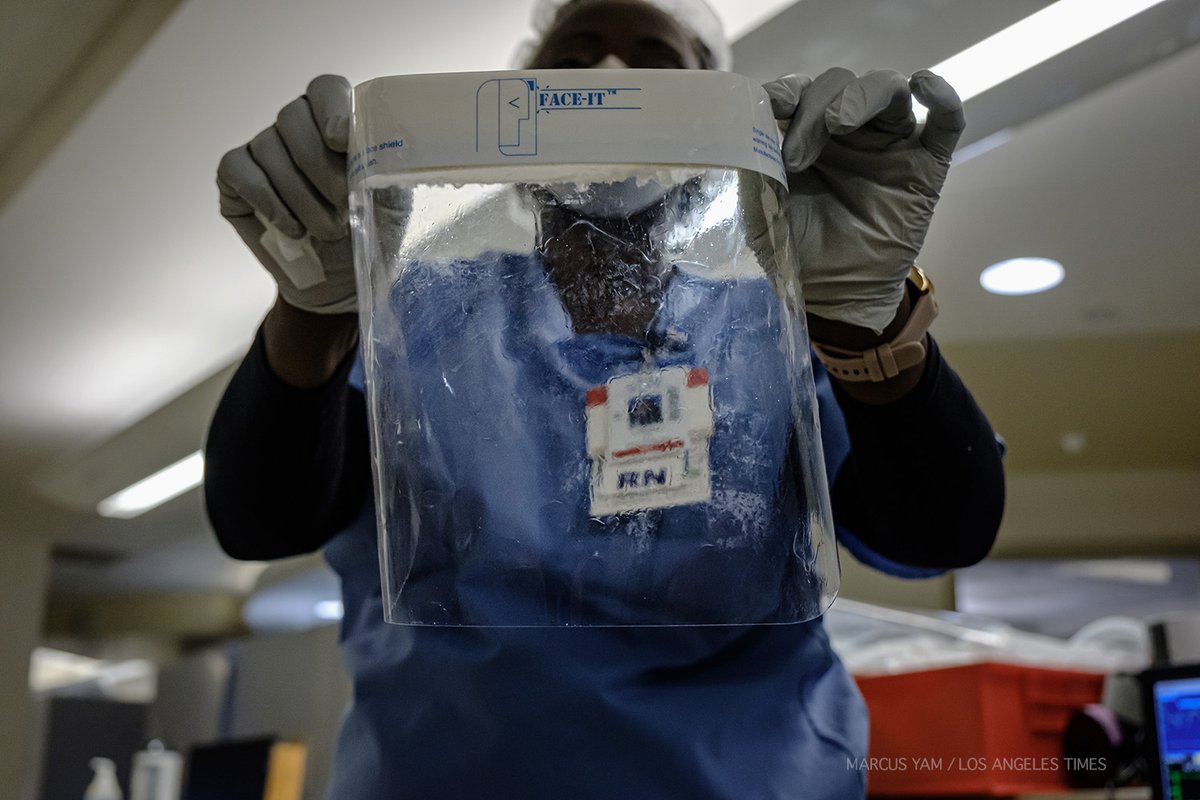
596 18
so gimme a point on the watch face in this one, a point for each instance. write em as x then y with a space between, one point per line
918 278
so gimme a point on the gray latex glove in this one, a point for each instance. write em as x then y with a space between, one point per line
286 195
863 179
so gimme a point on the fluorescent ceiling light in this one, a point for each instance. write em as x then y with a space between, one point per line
132 681
1126 570
52 669
1037 38
167 483
1022 276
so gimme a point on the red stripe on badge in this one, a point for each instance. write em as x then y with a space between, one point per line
661 447
597 396
697 376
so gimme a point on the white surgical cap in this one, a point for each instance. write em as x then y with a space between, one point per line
694 15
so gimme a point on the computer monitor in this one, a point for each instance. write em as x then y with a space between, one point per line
1172 731
249 769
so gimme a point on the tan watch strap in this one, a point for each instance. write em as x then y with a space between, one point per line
889 359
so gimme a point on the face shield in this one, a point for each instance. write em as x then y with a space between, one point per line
587 370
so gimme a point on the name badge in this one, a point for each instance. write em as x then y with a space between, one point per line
647 438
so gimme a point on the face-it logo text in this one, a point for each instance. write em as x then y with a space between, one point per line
507 110
574 98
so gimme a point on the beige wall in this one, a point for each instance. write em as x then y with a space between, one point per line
1101 514
860 582
24 567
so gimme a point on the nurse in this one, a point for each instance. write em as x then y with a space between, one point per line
702 712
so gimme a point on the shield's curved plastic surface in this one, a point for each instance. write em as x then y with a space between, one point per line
588 374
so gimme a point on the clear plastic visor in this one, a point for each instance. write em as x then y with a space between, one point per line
590 398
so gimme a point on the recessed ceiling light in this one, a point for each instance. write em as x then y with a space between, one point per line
1022 276
1073 443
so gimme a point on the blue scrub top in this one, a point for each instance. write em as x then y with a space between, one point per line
704 712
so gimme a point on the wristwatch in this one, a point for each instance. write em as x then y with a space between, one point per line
889 359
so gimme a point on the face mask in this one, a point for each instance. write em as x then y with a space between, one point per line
608 200
610 62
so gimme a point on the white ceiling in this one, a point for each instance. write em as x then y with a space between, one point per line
65 26
1109 186
124 287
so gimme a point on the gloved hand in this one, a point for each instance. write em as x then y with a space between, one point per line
286 195
862 183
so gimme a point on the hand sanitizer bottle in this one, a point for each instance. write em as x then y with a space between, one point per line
104 784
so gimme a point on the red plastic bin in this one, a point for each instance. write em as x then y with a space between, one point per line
982 729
